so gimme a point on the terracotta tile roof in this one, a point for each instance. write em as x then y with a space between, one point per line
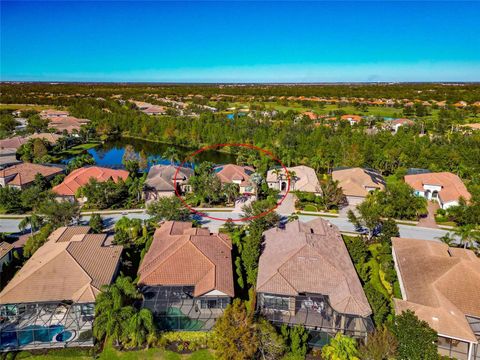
51 138
5 248
183 255
401 122
65 233
452 186
73 270
154 109
80 177
357 181
229 173
14 142
311 115
24 173
67 123
354 118
440 284
53 113
311 257
160 177
305 178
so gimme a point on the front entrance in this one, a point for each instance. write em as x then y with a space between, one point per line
283 186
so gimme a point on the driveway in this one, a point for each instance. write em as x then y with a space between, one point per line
429 220
287 206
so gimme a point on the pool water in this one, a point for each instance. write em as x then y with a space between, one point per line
64 336
28 334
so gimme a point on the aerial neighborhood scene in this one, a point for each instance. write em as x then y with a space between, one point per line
239 180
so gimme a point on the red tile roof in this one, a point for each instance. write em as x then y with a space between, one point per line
230 173
82 176
311 258
183 255
452 186
24 173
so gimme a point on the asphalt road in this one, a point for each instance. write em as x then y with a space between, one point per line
415 232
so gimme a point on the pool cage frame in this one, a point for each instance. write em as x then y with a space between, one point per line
175 307
37 325
314 312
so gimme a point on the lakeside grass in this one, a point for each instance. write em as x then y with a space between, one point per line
79 149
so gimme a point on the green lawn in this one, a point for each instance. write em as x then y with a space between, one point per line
78 149
326 109
110 353
153 354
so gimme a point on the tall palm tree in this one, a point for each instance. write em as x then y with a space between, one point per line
257 180
231 191
34 222
469 235
113 309
139 327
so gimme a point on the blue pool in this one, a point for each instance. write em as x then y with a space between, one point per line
16 337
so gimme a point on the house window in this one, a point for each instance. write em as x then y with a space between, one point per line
216 303
275 302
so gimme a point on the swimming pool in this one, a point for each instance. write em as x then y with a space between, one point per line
21 337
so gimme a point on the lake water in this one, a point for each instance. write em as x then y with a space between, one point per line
110 154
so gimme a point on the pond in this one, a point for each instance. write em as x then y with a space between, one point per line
110 153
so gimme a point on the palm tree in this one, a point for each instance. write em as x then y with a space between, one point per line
171 154
34 222
340 347
448 239
292 175
139 328
469 235
113 309
231 191
257 180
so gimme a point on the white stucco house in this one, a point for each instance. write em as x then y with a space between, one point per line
444 187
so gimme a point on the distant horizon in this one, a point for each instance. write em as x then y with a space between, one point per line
240 42
54 82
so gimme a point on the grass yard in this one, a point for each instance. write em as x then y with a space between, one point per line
109 353
23 107
59 354
79 149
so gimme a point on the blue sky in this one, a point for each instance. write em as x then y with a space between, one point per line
240 41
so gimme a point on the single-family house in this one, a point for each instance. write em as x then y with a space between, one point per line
236 174
67 189
67 124
395 124
52 113
6 254
186 276
306 277
51 138
441 285
302 178
357 183
23 175
154 110
163 180
352 119
444 187
50 301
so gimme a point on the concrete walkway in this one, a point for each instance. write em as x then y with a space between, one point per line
287 207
